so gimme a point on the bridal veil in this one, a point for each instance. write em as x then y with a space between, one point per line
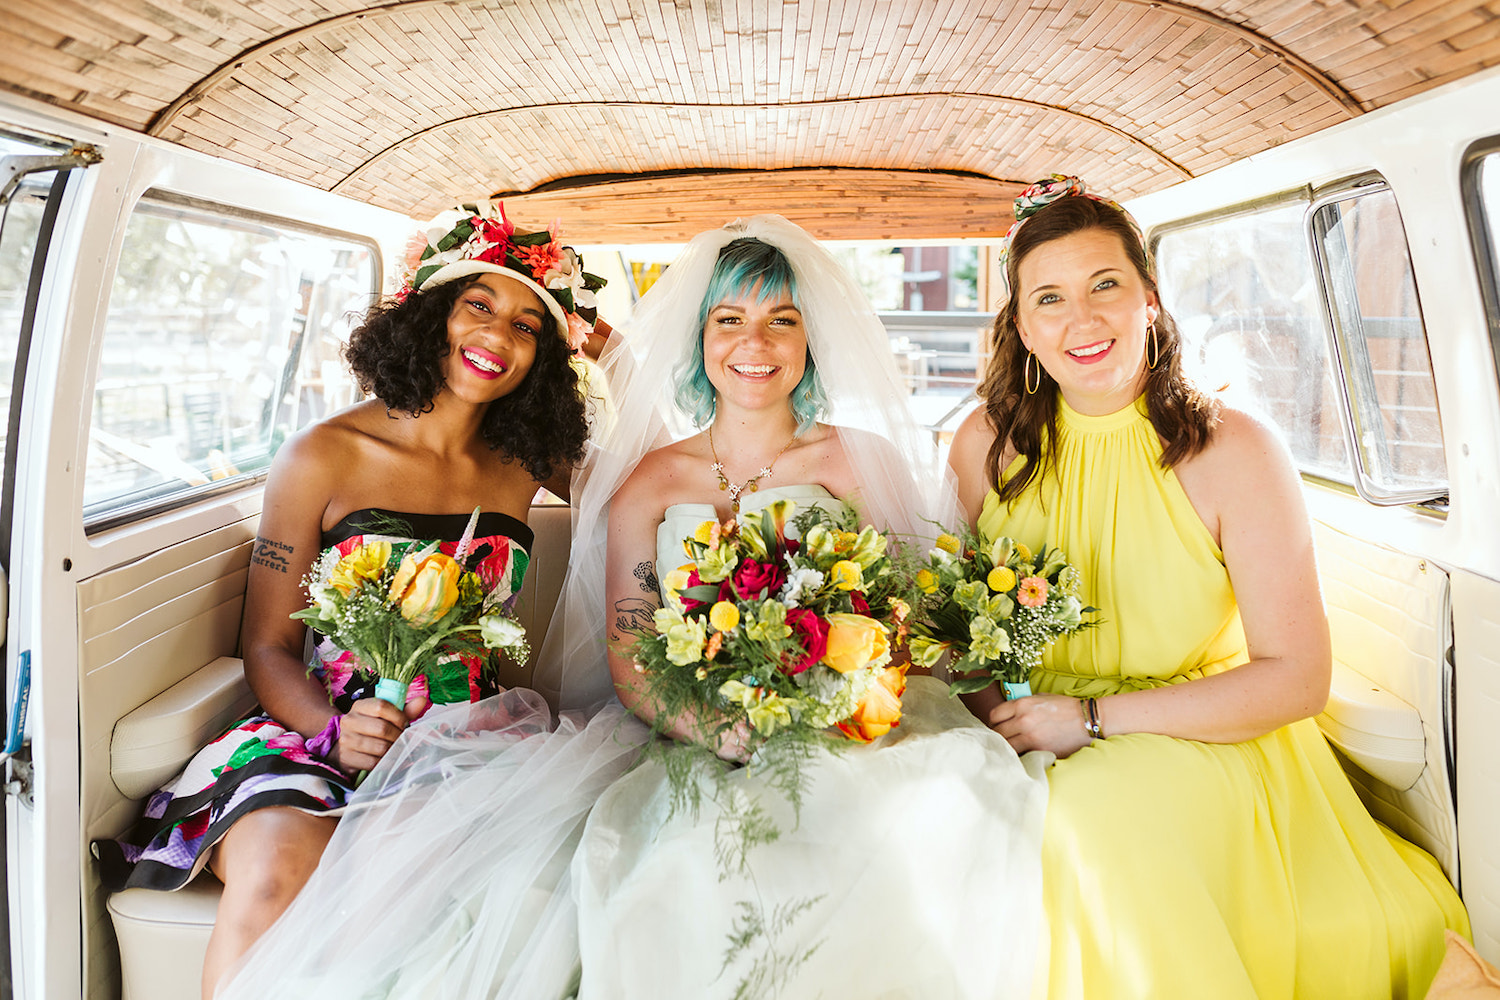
902 488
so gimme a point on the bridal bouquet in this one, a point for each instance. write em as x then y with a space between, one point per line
791 637
397 606
995 609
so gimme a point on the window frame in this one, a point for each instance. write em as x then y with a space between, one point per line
1348 377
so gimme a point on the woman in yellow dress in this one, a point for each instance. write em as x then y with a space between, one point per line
1201 839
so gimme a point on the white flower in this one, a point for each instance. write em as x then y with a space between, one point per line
500 632
567 274
327 599
799 580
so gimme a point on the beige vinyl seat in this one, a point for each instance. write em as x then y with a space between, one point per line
163 936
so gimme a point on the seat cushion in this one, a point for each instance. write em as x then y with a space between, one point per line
163 937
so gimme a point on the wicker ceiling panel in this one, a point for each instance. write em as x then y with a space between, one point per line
421 104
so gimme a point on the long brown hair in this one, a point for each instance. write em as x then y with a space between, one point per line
1183 416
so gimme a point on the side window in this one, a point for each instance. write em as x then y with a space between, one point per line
1381 346
1244 293
222 337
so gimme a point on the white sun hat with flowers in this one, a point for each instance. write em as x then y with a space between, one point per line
474 239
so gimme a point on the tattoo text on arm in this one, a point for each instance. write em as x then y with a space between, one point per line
271 554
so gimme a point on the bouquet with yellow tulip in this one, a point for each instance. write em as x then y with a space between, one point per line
400 606
791 636
994 609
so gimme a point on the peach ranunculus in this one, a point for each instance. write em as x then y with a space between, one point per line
425 587
855 641
364 563
880 707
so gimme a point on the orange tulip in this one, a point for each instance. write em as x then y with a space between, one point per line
880 707
425 588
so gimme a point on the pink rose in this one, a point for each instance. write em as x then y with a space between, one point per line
812 632
758 580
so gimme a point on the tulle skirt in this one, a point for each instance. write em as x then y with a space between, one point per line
448 876
914 872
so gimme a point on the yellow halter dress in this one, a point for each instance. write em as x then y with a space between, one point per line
1179 869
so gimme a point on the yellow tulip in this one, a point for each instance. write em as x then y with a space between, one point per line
927 580
425 588
845 575
855 641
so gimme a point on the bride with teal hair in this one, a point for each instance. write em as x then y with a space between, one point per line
755 371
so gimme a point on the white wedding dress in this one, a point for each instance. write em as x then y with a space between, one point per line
917 856
447 878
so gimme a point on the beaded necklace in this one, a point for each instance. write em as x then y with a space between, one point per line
748 486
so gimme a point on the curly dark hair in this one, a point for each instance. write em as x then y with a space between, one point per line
1182 414
396 355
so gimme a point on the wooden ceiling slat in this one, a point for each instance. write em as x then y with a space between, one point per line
667 84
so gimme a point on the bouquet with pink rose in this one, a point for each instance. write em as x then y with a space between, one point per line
789 635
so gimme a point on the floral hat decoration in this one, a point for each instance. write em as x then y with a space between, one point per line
473 239
1043 193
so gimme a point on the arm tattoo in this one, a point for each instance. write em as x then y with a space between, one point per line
646 573
271 554
633 615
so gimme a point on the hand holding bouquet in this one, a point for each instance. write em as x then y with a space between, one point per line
398 606
995 608
788 637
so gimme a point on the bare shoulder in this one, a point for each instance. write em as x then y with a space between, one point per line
972 440
1244 445
659 472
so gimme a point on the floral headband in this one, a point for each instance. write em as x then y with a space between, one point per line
1043 193
473 240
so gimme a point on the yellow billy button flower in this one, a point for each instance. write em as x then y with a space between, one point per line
927 580
1023 553
845 575
1001 579
948 543
724 616
365 563
425 587
855 641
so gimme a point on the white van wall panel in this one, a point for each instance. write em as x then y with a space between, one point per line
1387 614
1476 633
143 626
108 599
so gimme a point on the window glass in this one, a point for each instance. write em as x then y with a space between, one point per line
1244 293
1382 347
222 337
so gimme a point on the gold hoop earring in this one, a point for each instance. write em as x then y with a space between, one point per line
1153 347
1026 374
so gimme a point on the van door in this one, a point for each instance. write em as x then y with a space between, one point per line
34 176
